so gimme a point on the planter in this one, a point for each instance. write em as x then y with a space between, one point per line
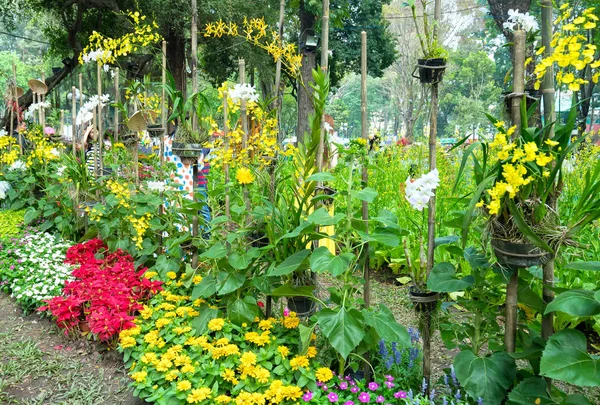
424 301
430 70
519 255
129 139
532 96
155 131
189 153
302 306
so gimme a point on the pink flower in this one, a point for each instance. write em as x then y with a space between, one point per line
343 385
349 403
49 131
286 311
332 397
364 397
354 390
307 396
400 394
379 399
373 386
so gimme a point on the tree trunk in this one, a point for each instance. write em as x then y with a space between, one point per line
176 59
305 106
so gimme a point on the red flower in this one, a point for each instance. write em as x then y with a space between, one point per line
261 305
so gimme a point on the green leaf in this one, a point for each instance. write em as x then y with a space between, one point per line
30 215
321 176
322 217
288 290
367 194
525 228
305 336
321 260
386 326
290 264
566 359
488 377
388 219
238 261
215 252
242 310
576 303
530 391
586 266
164 264
443 279
206 288
200 323
228 282
445 240
344 329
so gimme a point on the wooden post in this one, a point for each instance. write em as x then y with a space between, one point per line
95 131
16 106
74 119
99 118
80 89
42 98
549 117
117 99
62 123
243 111
194 59
324 68
13 98
226 165
163 109
279 99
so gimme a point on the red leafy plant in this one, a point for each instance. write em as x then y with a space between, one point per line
106 293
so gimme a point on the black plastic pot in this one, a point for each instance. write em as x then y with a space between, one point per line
519 255
431 70
424 301
302 306
155 131
187 151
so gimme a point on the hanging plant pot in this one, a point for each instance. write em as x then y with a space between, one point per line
187 152
519 255
532 96
430 70
155 131
424 301
302 306
129 139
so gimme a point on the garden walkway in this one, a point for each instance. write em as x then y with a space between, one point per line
39 365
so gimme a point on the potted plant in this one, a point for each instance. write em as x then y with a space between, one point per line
433 63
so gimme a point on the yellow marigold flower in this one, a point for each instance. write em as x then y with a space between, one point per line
164 365
283 351
150 274
216 324
127 341
261 374
299 361
199 395
266 324
146 312
148 357
139 377
244 176
172 375
311 352
188 368
184 385
162 322
229 376
197 279
223 399
290 322
172 275
323 374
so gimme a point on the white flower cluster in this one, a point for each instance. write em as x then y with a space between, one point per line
85 113
4 187
243 92
17 165
521 21
94 55
419 191
3 133
41 272
35 107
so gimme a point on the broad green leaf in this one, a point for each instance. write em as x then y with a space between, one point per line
298 230
228 282
164 264
485 377
242 310
200 323
215 252
566 359
586 266
387 219
321 176
321 260
30 215
322 217
443 279
576 303
344 329
305 336
530 391
529 297
291 264
238 261
206 288
288 290
384 323
367 194
445 240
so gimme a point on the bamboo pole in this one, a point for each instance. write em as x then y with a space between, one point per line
62 123
510 330
279 99
95 131
163 110
74 119
16 106
80 89
324 68
100 129
194 59
365 174
13 99
244 118
226 165
117 99
42 98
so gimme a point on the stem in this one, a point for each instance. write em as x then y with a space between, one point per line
414 14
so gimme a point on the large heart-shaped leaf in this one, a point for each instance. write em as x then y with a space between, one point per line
531 391
238 261
290 264
321 217
228 282
287 290
443 279
485 377
344 329
321 176
322 260
200 323
576 303
566 359
206 288
385 325
216 251
367 194
242 310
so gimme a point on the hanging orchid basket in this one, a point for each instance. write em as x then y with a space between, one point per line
431 71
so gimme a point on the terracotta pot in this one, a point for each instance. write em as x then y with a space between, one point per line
519 255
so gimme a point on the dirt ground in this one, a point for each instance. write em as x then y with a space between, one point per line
39 365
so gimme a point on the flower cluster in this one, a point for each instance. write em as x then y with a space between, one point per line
33 268
419 191
521 163
4 187
516 20
105 50
85 113
34 108
403 364
106 292
44 150
245 92
9 150
255 32
173 353
572 51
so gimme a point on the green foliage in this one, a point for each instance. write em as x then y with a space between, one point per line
11 223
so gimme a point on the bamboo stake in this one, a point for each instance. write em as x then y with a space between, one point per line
324 68
80 89
510 331
62 123
74 119
365 174
194 60
100 129
117 99
226 165
279 100
163 110
95 131
16 106
42 98
13 97
244 118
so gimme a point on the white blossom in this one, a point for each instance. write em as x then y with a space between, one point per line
522 21
419 191
3 133
17 165
85 113
243 92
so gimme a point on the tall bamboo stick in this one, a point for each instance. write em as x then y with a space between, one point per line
244 118
194 59
74 119
365 174
226 165
16 106
100 131
117 99
163 109
279 99
324 68
13 99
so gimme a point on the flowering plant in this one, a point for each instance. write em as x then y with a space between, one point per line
520 21
106 293
404 363
182 350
